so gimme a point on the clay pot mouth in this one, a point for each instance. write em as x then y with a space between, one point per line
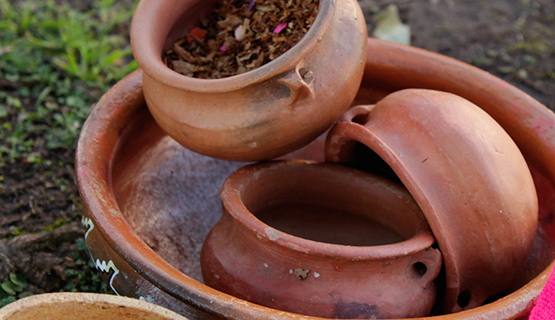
149 38
255 188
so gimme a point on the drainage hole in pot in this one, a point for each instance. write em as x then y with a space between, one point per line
463 299
420 269
322 224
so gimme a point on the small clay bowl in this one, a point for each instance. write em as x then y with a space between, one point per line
464 171
260 114
323 240
84 306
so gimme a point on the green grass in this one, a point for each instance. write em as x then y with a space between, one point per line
56 62
14 288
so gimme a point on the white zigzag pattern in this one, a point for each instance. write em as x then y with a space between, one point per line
106 267
102 266
87 223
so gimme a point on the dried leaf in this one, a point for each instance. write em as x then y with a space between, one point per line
182 66
230 22
240 35
265 8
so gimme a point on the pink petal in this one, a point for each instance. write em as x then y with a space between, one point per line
280 27
223 48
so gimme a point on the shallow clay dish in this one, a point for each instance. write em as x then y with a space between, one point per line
464 171
84 306
322 239
266 112
150 202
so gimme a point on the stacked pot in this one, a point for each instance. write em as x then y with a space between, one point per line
424 204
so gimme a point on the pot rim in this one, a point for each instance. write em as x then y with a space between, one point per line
53 303
147 48
101 134
232 200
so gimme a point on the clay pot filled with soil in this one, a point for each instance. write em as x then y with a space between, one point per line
263 113
150 203
322 240
464 171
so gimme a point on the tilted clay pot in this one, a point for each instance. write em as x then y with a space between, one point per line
84 306
323 240
149 203
467 175
261 114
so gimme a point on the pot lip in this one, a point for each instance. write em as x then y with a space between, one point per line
143 37
243 177
383 58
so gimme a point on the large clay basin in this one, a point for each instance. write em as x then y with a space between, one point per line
150 203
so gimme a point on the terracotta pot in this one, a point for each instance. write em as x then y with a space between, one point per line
260 114
322 240
150 202
466 174
73 306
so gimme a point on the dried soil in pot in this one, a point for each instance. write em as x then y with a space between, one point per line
239 36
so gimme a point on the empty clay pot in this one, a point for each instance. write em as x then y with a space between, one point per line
149 203
84 306
261 114
464 171
323 240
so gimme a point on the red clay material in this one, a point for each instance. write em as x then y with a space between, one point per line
261 114
150 202
322 240
467 175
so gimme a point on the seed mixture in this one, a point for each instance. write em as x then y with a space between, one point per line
241 35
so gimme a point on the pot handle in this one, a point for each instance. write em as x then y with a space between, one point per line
357 114
425 267
299 81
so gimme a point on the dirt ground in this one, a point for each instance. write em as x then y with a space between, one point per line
512 39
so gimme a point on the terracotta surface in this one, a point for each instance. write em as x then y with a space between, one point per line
150 203
84 306
466 174
263 113
365 251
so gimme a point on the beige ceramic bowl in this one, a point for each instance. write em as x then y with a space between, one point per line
84 306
